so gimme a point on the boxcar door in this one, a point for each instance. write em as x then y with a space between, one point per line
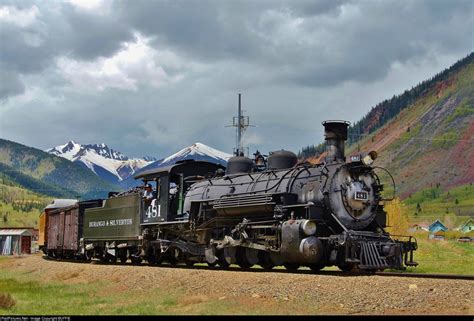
61 231
74 230
53 231
67 229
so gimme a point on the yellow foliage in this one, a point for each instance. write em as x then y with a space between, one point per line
397 218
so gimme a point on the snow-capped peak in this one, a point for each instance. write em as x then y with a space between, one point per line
68 150
105 151
150 158
196 149
197 152
99 157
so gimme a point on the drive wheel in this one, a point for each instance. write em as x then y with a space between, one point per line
265 261
293 267
316 267
221 260
242 260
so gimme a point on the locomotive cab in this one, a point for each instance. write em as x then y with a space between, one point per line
171 183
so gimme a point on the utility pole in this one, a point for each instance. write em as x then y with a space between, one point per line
241 123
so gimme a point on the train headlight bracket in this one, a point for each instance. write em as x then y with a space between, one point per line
369 158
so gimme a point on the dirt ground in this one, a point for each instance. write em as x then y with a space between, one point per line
296 293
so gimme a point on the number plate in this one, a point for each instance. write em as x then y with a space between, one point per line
361 196
355 158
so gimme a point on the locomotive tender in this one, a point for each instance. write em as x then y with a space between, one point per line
278 213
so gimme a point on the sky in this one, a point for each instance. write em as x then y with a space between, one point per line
151 77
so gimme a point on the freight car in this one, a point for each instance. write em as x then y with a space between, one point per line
44 220
268 212
65 228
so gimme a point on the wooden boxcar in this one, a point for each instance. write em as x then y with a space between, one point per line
65 229
44 220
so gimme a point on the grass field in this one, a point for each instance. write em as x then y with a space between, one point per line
32 296
449 257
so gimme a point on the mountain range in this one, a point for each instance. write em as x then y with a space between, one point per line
118 169
88 171
47 174
109 164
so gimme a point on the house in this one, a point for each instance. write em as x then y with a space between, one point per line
417 228
437 226
15 241
467 226
437 230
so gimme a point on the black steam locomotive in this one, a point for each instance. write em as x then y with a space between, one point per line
268 212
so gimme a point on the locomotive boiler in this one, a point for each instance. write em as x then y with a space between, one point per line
313 215
267 212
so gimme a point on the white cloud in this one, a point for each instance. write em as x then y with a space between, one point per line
137 64
21 18
88 4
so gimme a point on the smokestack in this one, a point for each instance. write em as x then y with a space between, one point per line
335 132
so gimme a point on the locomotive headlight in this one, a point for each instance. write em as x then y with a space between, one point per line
308 227
369 158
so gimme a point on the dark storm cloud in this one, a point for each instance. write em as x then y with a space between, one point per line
33 47
91 35
311 43
297 62
18 53
200 29
10 84
316 8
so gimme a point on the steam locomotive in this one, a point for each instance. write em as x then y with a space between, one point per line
269 212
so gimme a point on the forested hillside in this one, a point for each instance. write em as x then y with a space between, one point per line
47 174
424 136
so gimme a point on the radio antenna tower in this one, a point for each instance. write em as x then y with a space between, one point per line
241 123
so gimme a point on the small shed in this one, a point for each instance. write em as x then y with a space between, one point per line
437 226
467 226
15 241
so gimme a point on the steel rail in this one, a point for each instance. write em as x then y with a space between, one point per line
259 270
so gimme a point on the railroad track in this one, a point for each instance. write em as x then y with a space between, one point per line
427 275
259 270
